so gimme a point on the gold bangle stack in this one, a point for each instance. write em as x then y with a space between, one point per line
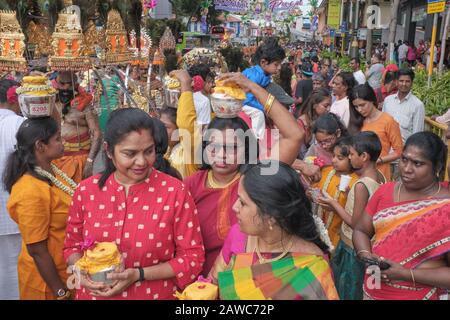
269 103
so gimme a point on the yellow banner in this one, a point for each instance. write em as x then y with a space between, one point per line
334 14
436 7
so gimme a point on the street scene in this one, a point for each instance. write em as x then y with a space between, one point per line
224 150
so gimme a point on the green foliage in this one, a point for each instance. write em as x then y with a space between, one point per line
437 98
192 8
171 60
234 58
156 28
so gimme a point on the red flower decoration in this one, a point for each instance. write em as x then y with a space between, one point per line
198 83
319 162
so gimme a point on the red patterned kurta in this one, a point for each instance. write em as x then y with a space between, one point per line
156 223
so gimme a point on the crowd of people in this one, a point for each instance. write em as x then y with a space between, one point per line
333 191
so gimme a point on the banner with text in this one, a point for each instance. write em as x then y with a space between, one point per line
334 14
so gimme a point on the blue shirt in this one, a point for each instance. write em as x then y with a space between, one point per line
257 75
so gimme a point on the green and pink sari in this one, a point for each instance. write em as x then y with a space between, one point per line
294 277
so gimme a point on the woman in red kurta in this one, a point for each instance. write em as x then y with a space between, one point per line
149 215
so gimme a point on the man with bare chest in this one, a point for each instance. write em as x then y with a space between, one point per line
79 128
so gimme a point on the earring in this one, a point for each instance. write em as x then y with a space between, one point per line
270 227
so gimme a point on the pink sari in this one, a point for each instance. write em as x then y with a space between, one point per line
411 234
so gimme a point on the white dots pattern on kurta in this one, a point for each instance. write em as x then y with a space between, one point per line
172 212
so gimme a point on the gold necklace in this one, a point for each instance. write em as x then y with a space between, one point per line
401 185
282 255
214 185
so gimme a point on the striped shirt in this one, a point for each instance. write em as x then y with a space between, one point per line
9 125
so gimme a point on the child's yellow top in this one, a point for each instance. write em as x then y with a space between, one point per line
330 184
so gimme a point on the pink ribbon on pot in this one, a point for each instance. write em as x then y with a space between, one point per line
205 280
87 243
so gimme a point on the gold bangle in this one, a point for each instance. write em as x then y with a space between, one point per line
269 103
412 276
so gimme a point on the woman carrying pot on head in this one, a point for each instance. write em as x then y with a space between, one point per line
229 144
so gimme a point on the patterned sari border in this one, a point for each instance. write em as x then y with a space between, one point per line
425 250
406 208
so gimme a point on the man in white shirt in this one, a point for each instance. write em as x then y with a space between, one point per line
10 239
403 52
405 107
342 83
357 73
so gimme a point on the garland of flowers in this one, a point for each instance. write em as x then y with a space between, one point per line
69 190
33 88
335 197
323 232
